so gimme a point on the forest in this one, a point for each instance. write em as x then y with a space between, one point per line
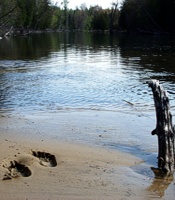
143 16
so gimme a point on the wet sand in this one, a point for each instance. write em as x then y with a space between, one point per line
44 157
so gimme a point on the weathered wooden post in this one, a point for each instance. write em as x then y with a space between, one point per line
164 129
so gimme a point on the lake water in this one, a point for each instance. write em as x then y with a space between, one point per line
87 71
56 73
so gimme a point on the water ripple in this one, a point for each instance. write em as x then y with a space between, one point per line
80 77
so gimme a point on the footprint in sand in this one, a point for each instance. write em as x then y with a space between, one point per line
46 159
16 169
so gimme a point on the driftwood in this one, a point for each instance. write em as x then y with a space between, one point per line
164 129
9 33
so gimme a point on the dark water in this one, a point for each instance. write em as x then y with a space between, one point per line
60 71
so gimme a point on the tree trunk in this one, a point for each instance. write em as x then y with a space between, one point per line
164 129
112 17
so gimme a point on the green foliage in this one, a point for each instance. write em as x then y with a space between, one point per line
26 12
55 18
41 14
149 15
100 21
8 12
34 14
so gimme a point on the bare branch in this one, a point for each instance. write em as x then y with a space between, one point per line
8 13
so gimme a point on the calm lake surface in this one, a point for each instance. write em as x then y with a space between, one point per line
87 71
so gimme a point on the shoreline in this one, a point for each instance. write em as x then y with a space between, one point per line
84 170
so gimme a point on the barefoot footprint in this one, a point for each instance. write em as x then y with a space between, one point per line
15 169
46 159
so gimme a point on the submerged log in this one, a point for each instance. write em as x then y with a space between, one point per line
164 129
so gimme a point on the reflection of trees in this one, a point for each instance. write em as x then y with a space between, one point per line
39 45
31 47
154 53
160 182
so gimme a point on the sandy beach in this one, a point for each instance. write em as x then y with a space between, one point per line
35 163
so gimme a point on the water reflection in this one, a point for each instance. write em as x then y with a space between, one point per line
83 71
160 183
31 47
152 53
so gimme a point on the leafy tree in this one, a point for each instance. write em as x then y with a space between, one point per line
113 17
130 14
166 14
100 18
144 15
150 15
79 18
8 15
56 18
7 11
26 12
65 5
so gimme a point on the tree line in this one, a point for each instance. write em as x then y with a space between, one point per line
146 16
